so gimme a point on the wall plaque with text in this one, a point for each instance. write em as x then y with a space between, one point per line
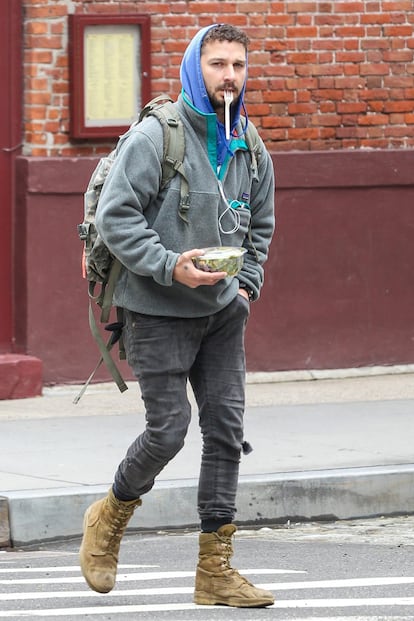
110 73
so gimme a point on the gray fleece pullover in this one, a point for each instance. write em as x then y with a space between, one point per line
142 226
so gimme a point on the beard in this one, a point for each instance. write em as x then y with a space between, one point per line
217 101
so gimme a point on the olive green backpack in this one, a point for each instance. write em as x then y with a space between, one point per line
100 268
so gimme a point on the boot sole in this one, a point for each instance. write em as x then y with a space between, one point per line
204 599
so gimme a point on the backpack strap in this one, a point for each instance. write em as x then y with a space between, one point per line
116 335
166 112
255 149
104 300
107 291
163 98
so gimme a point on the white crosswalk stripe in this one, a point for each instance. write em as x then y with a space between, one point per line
82 602
122 577
173 607
273 586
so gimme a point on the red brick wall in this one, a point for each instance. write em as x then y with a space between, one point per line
322 75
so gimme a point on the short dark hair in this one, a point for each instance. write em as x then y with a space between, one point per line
226 32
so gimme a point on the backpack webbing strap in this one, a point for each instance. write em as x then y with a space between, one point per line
105 301
105 349
173 151
253 143
107 293
153 104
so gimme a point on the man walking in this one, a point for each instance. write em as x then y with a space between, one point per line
183 324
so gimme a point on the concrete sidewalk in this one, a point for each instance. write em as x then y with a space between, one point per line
326 445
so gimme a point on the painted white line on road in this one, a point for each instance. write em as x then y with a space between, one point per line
358 618
304 603
345 603
340 584
155 575
272 586
69 568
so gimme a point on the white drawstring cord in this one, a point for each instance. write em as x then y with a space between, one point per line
234 212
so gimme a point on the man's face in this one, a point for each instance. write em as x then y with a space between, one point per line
223 64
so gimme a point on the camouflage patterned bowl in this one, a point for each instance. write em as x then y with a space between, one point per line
221 259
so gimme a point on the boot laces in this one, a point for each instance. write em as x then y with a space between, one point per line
116 527
226 554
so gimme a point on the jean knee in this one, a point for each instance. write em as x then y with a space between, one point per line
166 441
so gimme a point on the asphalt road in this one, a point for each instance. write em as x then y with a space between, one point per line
343 571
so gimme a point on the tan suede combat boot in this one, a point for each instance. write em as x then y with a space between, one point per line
217 582
104 524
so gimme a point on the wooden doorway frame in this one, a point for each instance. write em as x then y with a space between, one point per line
11 104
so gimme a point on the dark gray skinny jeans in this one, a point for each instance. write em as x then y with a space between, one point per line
164 352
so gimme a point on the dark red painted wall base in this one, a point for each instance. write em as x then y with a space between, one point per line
338 287
20 376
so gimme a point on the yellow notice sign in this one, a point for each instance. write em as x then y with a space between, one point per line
111 75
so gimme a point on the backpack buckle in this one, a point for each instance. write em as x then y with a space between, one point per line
83 230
